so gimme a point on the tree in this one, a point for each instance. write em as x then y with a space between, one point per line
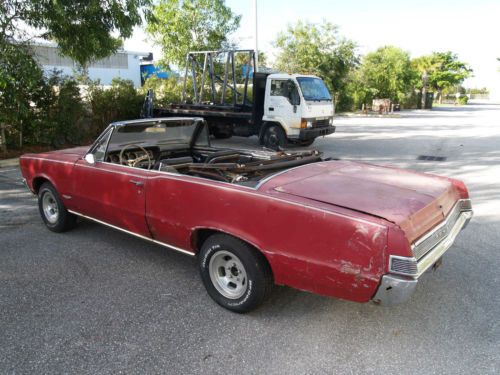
21 83
447 71
83 29
387 73
317 49
181 26
424 66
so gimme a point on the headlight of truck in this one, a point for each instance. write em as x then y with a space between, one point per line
330 122
306 123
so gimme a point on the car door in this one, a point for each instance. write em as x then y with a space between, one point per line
111 193
282 93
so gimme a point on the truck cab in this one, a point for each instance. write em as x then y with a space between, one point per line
279 108
296 108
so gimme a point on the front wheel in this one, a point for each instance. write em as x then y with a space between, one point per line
275 138
235 275
54 214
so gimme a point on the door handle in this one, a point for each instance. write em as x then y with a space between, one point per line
136 183
271 108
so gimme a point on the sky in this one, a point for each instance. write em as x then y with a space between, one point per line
469 28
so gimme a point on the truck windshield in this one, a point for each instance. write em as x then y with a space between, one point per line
313 88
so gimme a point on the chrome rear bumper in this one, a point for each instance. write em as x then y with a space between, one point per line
398 285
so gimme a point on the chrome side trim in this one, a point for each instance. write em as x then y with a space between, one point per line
134 234
394 290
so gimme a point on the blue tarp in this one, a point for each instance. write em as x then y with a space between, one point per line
150 69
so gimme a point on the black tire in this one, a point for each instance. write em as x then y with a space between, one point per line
275 137
54 214
222 135
243 261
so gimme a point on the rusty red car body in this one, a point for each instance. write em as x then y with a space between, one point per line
335 228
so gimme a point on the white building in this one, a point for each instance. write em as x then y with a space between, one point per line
123 64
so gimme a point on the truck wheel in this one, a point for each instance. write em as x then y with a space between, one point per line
222 135
275 137
54 214
235 275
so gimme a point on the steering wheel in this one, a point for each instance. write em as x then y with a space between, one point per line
134 162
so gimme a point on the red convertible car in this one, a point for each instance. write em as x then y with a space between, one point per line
255 218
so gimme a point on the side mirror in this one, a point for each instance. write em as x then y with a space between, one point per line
293 93
295 100
89 158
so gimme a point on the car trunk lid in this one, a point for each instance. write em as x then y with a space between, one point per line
414 201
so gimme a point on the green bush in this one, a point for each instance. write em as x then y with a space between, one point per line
62 120
463 100
120 101
50 113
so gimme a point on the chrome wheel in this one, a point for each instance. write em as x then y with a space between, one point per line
50 207
228 274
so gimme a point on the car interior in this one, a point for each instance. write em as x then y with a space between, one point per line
190 157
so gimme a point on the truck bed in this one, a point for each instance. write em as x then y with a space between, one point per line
209 110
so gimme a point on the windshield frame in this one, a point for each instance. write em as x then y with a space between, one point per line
200 131
304 79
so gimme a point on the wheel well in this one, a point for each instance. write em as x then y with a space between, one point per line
37 182
201 235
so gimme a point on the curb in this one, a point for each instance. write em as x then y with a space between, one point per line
370 115
8 163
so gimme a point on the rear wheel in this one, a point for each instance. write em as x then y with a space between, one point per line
235 275
54 214
221 134
275 138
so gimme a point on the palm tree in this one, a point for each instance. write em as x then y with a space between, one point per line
424 65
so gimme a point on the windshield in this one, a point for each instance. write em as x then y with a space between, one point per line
156 133
313 88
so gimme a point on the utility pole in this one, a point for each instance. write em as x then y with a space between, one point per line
256 37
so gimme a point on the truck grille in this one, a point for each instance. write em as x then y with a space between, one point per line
428 241
321 123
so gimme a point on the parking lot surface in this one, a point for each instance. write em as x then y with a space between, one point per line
94 300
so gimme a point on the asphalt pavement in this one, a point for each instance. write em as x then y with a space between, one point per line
94 300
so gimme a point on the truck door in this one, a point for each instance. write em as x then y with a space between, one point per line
283 103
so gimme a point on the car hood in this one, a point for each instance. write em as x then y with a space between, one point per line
414 201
